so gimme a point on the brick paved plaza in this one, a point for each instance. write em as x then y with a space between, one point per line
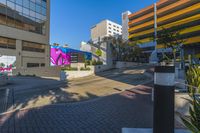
104 115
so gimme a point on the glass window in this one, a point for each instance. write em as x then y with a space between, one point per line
32 14
33 1
38 8
26 3
25 11
33 47
33 65
7 43
19 8
32 6
44 3
19 2
28 15
3 2
12 0
38 1
43 11
2 15
11 5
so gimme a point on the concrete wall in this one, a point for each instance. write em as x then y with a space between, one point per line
40 71
78 74
55 71
100 68
120 64
99 30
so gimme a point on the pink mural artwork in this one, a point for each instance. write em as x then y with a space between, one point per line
6 69
59 58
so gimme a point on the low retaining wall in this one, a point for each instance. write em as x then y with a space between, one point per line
78 74
54 71
120 64
39 71
100 68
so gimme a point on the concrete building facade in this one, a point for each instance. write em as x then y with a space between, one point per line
172 15
105 28
84 46
125 26
24 31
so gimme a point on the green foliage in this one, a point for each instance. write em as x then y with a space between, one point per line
69 69
2 65
88 62
193 79
94 62
170 39
98 52
192 122
85 69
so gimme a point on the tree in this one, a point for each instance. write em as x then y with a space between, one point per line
2 65
170 38
98 52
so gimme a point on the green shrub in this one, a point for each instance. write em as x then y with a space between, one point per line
192 122
193 79
85 69
88 62
99 63
69 69
94 62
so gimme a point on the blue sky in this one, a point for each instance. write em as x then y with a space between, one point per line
71 20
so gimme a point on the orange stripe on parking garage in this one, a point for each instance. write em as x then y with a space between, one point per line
183 21
180 12
188 42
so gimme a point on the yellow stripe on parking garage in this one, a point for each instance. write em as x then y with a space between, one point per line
172 15
188 42
181 12
191 29
183 21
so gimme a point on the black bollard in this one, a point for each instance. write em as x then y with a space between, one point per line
164 79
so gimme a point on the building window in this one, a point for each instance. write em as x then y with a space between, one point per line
33 47
7 43
29 15
33 65
42 64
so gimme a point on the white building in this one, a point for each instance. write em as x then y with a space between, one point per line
105 28
125 26
84 46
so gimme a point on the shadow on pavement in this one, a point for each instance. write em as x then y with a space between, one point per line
105 114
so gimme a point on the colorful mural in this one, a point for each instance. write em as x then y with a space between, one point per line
63 56
7 63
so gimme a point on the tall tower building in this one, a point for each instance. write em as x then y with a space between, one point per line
24 31
125 26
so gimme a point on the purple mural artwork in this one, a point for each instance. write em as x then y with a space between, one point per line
59 58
